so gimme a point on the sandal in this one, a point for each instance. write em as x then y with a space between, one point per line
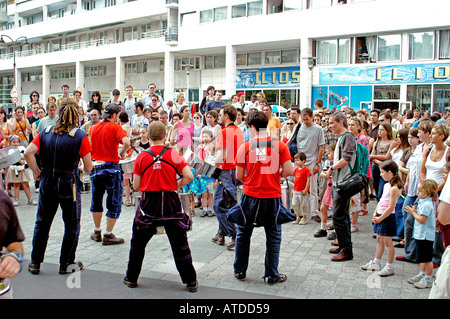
128 202
363 212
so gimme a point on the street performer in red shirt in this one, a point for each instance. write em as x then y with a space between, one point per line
225 194
258 164
155 176
107 175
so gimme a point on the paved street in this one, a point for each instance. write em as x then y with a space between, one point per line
304 259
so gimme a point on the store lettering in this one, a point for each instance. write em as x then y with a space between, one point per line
439 72
282 77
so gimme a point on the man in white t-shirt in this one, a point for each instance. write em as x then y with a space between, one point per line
138 119
310 140
129 101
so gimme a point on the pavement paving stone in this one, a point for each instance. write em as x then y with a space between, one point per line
304 259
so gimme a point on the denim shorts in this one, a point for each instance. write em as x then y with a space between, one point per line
387 227
107 178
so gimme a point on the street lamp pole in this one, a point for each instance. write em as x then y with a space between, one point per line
25 41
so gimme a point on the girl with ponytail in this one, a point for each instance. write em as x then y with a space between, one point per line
384 218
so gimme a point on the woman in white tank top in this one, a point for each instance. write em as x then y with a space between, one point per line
436 156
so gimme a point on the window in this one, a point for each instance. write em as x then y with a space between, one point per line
206 16
220 13
326 51
194 63
344 50
421 46
273 57
444 44
109 3
68 73
274 6
241 59
129 33
239 11
254 58
254 8
188 19
389 47
219 61
96 70
319 3
365 49
420 96
289 56
441 97
135 67
292 5
386 92
209 62
89 5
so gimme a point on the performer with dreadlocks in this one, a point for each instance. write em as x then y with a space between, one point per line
60 148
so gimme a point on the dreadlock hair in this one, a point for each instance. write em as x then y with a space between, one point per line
68 117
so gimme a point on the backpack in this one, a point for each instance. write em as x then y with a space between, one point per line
362 159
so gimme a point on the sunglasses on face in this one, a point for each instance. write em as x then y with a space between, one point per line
290 123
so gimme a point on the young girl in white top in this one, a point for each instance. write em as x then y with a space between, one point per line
384 218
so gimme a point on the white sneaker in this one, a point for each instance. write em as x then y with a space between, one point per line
386 271
15 202
415 279
424 283
32 202
371 265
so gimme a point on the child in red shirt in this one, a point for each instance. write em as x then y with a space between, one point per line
300 197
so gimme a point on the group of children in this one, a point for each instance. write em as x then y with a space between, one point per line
383 217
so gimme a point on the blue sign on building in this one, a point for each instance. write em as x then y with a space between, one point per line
283 77
390 74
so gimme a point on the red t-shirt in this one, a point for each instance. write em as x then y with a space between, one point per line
230 138
263 168
106 137
301 178
160 177
84 149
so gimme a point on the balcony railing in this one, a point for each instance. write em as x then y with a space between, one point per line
80 45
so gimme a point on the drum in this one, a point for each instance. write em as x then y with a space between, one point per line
195 162
10 156
127 165
185 202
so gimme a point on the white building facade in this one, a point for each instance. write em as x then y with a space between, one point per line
361 53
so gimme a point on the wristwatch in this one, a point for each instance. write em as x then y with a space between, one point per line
331 167
16 256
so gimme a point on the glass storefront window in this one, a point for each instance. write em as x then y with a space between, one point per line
421 46
386 92
419 96
441 97
288 98
389 47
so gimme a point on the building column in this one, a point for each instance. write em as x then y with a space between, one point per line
230 70
305 74
120 75
79 77
169 75
46 77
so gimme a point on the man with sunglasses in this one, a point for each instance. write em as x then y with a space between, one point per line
147 99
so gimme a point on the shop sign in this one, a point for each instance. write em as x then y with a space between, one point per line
391 74
284 77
